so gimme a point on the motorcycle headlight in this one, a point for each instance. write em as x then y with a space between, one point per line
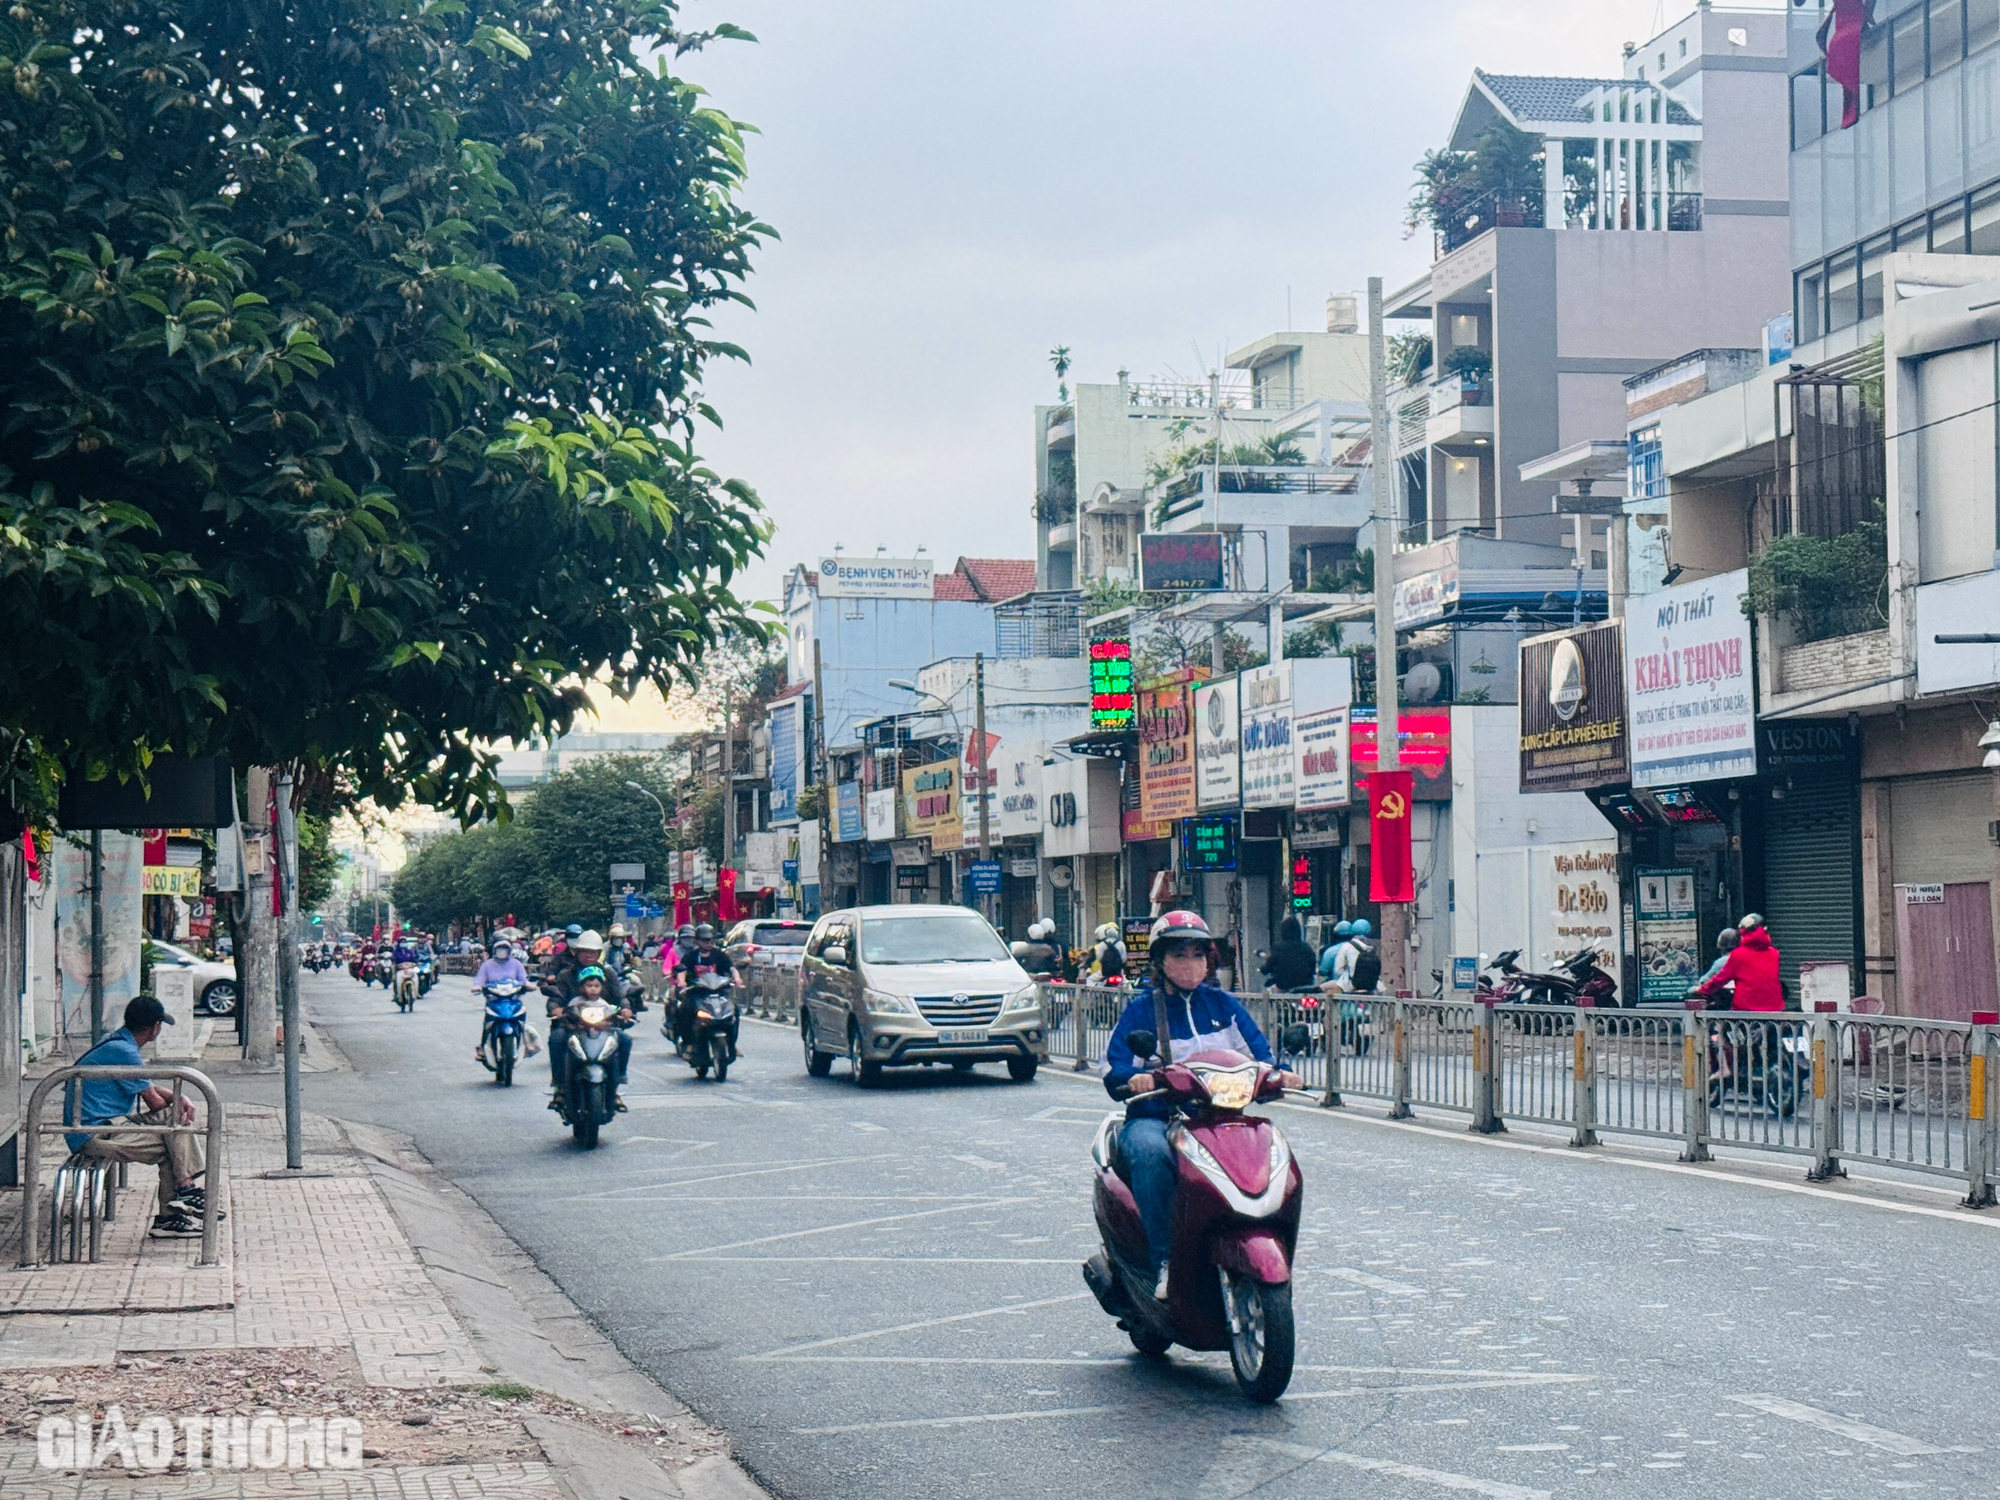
1023 1005
880 1003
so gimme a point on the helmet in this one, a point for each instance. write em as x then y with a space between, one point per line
704 931
686 930
1343 929
589 971
1108 933
1751 922
1728 938
500 946
588 940
574 930
1018 948
1363 928
1042 931
618 929
1181 924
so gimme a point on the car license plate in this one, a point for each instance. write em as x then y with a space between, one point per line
971 1035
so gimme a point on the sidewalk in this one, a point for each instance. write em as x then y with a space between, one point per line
364 1287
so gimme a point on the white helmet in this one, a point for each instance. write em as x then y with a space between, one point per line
588 940
1108 933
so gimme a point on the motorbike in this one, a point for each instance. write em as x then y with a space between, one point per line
354 967
1759 1061
426 976
711 1043
1576 980
590 1084
384 972
506 1030
1236 1224
406 987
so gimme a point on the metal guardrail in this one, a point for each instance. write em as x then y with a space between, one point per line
1832 1087
33 1128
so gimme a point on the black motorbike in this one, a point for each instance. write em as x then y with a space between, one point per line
590 1078
709 1040
1576 980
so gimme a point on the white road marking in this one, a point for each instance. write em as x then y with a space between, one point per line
640 1192
982 1163
1375 1283
965 1421
1860 1432
1389 1468
1352 1392
1533 1448
890 1260
934 1359
876 1333
800 1234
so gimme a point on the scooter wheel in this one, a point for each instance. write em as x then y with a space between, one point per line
1149 1343
1261 1338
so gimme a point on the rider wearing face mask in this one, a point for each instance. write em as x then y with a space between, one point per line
1187 1014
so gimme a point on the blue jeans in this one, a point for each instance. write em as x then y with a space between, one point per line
559 1056
1152 1176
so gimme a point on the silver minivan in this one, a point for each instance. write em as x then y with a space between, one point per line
901 986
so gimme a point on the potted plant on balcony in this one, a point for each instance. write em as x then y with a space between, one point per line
1472 367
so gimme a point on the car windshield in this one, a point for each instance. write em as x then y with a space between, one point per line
781 937
942 939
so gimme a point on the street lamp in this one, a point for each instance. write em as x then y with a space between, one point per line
1990 743
656 802
942 702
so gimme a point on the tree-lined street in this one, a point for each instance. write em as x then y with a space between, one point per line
877 1292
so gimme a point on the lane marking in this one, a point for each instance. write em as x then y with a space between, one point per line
982 1163
1492 1489
637 1191
886 1260
876 1333
1520 1382
1860 1432
1376 1283
965 1421
800 1234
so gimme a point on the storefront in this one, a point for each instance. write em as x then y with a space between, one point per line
1802 854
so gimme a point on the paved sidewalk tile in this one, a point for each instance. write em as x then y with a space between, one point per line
21 1479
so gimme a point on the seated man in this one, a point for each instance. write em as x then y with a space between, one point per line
134 1101
1201 1017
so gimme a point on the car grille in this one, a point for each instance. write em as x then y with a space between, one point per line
959 1010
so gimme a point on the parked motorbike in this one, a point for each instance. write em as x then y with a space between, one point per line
506 1030
711 1040
406 987
1235 1225
1576 980
590 1084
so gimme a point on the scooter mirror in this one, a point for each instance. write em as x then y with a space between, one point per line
1143 1043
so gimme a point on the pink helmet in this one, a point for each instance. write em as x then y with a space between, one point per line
1181 924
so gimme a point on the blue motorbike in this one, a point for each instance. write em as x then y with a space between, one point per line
505 1032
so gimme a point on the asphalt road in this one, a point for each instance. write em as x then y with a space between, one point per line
876 1292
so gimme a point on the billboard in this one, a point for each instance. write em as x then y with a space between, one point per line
1218 767
879 815
787 759
930 804
1111 702
1573 725
875 578
1166 752
849 826
1265 697
1184 562
1689 680
1320 759
1017 790
1425 736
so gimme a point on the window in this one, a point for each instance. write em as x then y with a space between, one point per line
1947 33
943 939
1843 297
1874 66
1645 477
1808 108
1948 229
1914 235
1906 51
1982 24
1872 257
1985 222
1809 310
1684 44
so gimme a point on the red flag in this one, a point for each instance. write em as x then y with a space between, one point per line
725 894
1840 44
156 846
683 904
30 854
1392 872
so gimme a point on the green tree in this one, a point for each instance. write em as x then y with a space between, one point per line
319 865
351 354
587 820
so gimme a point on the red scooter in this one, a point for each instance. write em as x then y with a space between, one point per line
1236 1224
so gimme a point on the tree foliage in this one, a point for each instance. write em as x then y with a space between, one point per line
349 360
1826 586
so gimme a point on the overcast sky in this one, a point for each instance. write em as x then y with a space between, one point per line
961 186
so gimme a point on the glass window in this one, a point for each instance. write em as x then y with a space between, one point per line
1947 33
1808 100
1980 80
1874 65
1872 255
1843 298
1906 51
942 939
1948 229
1944 135
1646 477
1810 295
1982 24
1915 235
1906 171
1985 238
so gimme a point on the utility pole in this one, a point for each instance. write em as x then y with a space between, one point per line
985 771
728 784
285 890
1388 688
260 977
826 808
96 937
1215 453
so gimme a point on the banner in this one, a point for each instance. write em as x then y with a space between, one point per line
1392 872
1218 766
1166 753
930 805
683 905
725 895
1689 681
848 827
787 759
1265 694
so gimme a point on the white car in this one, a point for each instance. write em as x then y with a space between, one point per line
767 942
214 983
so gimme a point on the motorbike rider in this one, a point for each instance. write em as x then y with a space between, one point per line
501 968
1200 1017
1725 944
704 958
1109 954
588 980
1329 959
1289 965
1752 967
618 965
1039 956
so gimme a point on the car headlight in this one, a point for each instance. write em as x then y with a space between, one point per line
880 1003
1024 1004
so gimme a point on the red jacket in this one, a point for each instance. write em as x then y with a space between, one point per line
1752 966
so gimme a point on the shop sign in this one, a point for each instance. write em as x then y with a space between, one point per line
1320 830
880 814
849 826
875 578
1958 647
1265 695
1669 941
1017 790
1809 747
1138 941
1320 774
913 877
1425 735
1426 597
1111 702
1573 729
983 877
1576 903
170 880
1208 844
1181 562
1688 675
1217 751
1080 807
1140 829
930 803
1166 753
1302 883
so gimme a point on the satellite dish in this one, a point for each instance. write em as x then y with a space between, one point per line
1423 682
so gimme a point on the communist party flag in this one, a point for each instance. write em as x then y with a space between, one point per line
1392 871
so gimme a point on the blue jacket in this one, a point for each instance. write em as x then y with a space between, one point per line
1210 1007
105 1099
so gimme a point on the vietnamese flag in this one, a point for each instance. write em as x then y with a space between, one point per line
725 894
1392 870
1840 43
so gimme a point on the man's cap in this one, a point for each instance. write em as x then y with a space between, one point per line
144 1011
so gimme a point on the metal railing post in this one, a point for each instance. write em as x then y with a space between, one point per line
1486 1068
1825 1036
1333 1023
1982 1053
1694 1083
1583 1078
1399 1078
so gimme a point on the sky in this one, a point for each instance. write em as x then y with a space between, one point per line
959 187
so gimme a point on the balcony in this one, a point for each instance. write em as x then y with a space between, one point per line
1461 412
1187 494
1645 210
1237 395
1060 433
1063 538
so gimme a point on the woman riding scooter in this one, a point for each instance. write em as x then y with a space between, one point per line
1188 1014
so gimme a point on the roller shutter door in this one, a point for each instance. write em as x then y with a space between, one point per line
1809 863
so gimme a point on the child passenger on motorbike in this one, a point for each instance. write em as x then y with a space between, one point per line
590 983
1200 1017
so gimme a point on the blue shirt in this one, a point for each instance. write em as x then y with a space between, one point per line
1210 1008
105 1099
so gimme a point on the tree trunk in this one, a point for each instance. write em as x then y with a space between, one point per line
260 928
